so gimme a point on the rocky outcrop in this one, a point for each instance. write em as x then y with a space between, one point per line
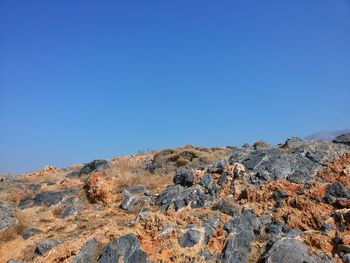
260 203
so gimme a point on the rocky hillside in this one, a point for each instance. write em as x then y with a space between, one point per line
256 203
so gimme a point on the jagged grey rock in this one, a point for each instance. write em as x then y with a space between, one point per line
126 248
190 238
95 165
7 216
88 252
184 177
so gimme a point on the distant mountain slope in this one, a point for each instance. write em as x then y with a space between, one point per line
326 135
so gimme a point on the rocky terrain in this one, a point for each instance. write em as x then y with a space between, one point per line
255 203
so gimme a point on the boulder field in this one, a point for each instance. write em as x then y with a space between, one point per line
255 203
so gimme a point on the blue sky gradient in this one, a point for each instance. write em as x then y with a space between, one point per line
95 79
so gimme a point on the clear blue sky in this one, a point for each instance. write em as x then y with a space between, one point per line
95 79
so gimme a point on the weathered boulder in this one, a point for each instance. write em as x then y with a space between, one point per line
88 252
190 238
7 216
238 248
177 197
344 138
46 245
184 177
291 250
95 166
126 248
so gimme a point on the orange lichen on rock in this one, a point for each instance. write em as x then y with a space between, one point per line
339 170
47 170
101 188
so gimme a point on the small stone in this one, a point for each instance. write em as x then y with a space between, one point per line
69 210
128 202
15 261
136 189
190 239
30 232
45 246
